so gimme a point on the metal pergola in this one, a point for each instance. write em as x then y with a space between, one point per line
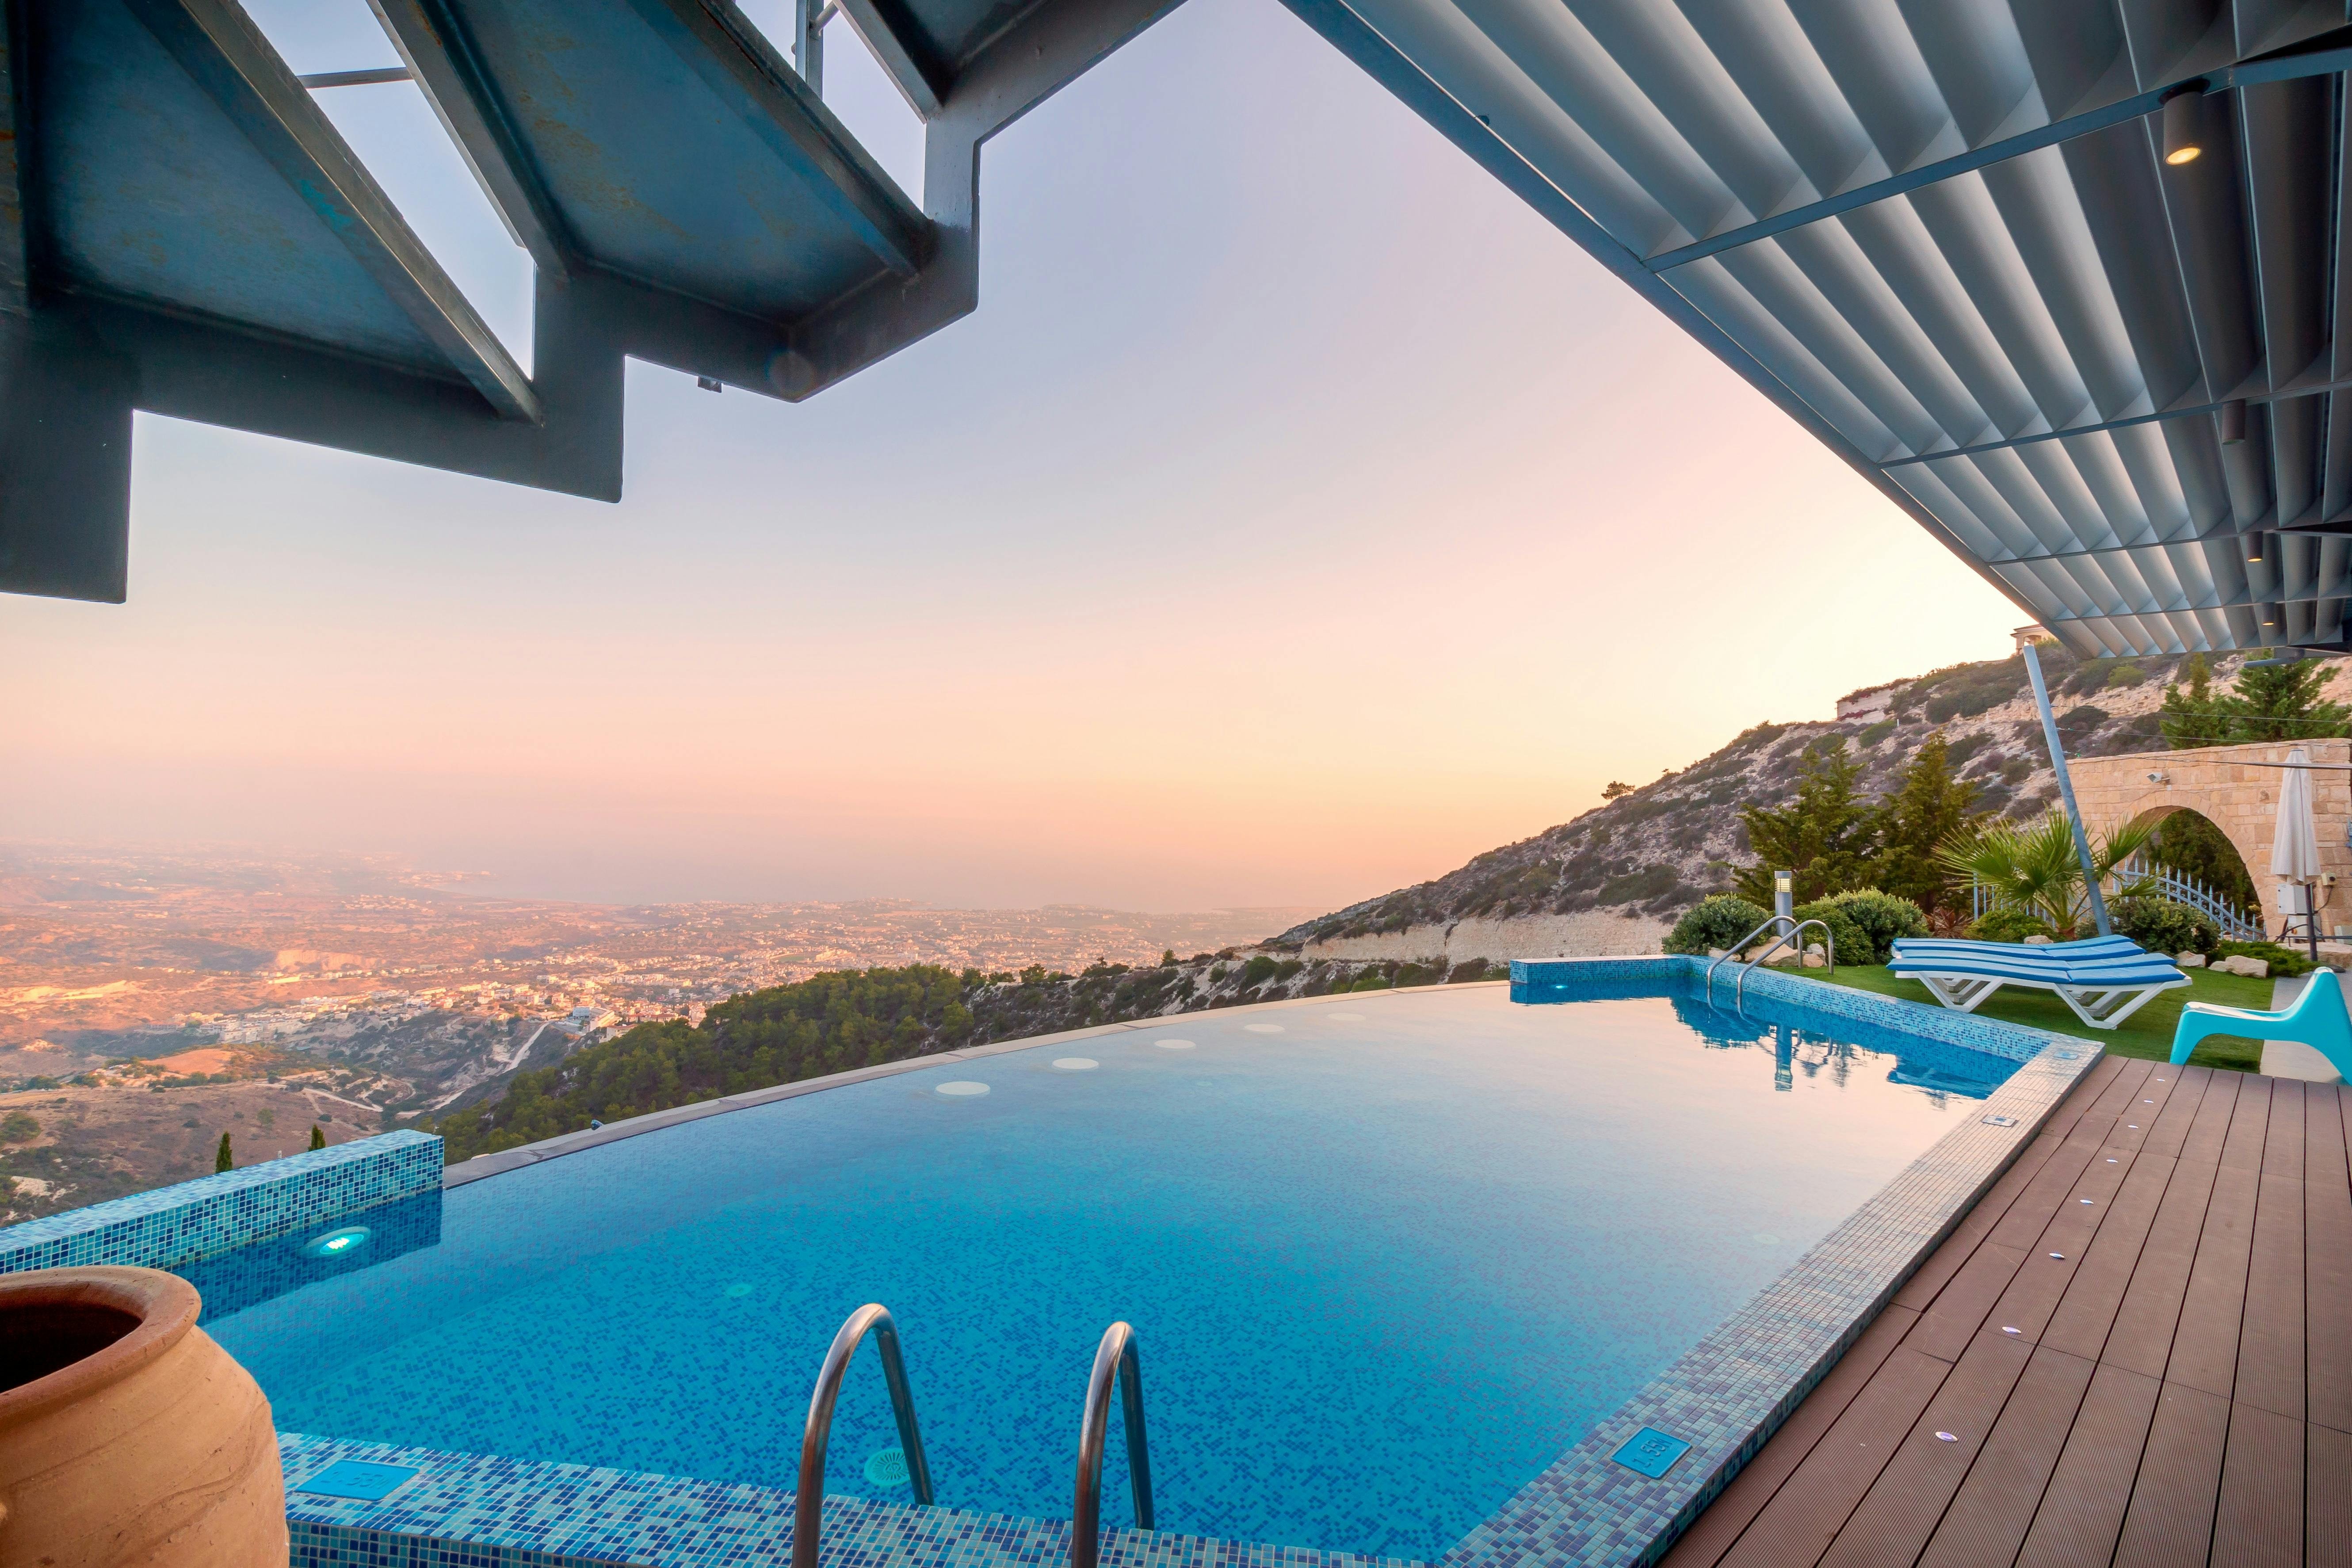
2059 277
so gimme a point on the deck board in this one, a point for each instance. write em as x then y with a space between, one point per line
2178 1385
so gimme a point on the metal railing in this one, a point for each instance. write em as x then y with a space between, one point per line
2233 923
808 1509
1115 1358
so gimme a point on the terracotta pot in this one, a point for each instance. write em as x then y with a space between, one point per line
127 1436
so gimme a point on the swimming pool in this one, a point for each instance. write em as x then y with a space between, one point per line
1388 1257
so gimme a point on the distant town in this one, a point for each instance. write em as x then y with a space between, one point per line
150 1001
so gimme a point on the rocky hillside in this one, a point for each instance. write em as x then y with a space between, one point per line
1613 879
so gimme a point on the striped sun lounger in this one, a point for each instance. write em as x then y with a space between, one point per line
2104 986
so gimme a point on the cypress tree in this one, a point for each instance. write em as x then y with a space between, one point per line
1927 808
222 1162
1826 837
318 1136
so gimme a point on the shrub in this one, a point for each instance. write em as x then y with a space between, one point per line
1882 917
20 1128
2164 925
1853 943
1258 969
2009 925
1712 923
2282 960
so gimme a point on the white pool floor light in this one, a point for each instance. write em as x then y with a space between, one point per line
962 1086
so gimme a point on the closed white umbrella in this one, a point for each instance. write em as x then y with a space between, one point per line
2295 846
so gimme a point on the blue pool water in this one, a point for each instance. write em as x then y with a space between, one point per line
1387 1259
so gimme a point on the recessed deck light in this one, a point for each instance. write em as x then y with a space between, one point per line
1946 1438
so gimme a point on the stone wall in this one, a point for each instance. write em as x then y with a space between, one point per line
2221 784
1593 933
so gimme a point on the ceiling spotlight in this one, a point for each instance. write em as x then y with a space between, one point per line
2254 548
2233 422
2182 142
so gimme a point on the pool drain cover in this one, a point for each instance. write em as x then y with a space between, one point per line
888 1469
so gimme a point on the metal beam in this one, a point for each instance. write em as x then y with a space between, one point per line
65 463
228 57
369 77
442 61
2284 68
15 259
890 30
197 370
1048 49
2257 605
743 71
2283 395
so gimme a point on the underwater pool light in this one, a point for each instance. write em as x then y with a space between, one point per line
1262 1028
964 1086
1173 1045
1077 1064
338 1242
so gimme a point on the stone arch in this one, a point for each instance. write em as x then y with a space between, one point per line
2156 814
2229 787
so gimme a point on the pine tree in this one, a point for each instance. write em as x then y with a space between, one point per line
318 1136
222 1162
2277 703
2187 718
1826 837
2284 702
1927 808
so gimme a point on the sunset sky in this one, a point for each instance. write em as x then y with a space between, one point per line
1298 516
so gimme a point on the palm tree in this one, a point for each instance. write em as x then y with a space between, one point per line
2035 867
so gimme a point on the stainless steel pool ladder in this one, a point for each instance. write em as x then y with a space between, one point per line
808 1509
1115 1358
1739 992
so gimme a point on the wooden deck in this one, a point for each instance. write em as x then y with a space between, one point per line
2136 1350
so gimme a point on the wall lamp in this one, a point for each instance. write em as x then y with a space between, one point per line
2182 142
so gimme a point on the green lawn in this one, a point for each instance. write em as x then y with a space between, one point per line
2146 1033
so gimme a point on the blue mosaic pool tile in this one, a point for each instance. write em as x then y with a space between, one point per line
467 1511
195 1220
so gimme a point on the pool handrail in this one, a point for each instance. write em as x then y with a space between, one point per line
1731 954
808 1509
1739 992
1117 1358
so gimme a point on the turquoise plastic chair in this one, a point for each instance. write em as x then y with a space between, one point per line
2317 1019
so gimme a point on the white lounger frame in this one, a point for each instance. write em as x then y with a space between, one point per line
2099 1006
